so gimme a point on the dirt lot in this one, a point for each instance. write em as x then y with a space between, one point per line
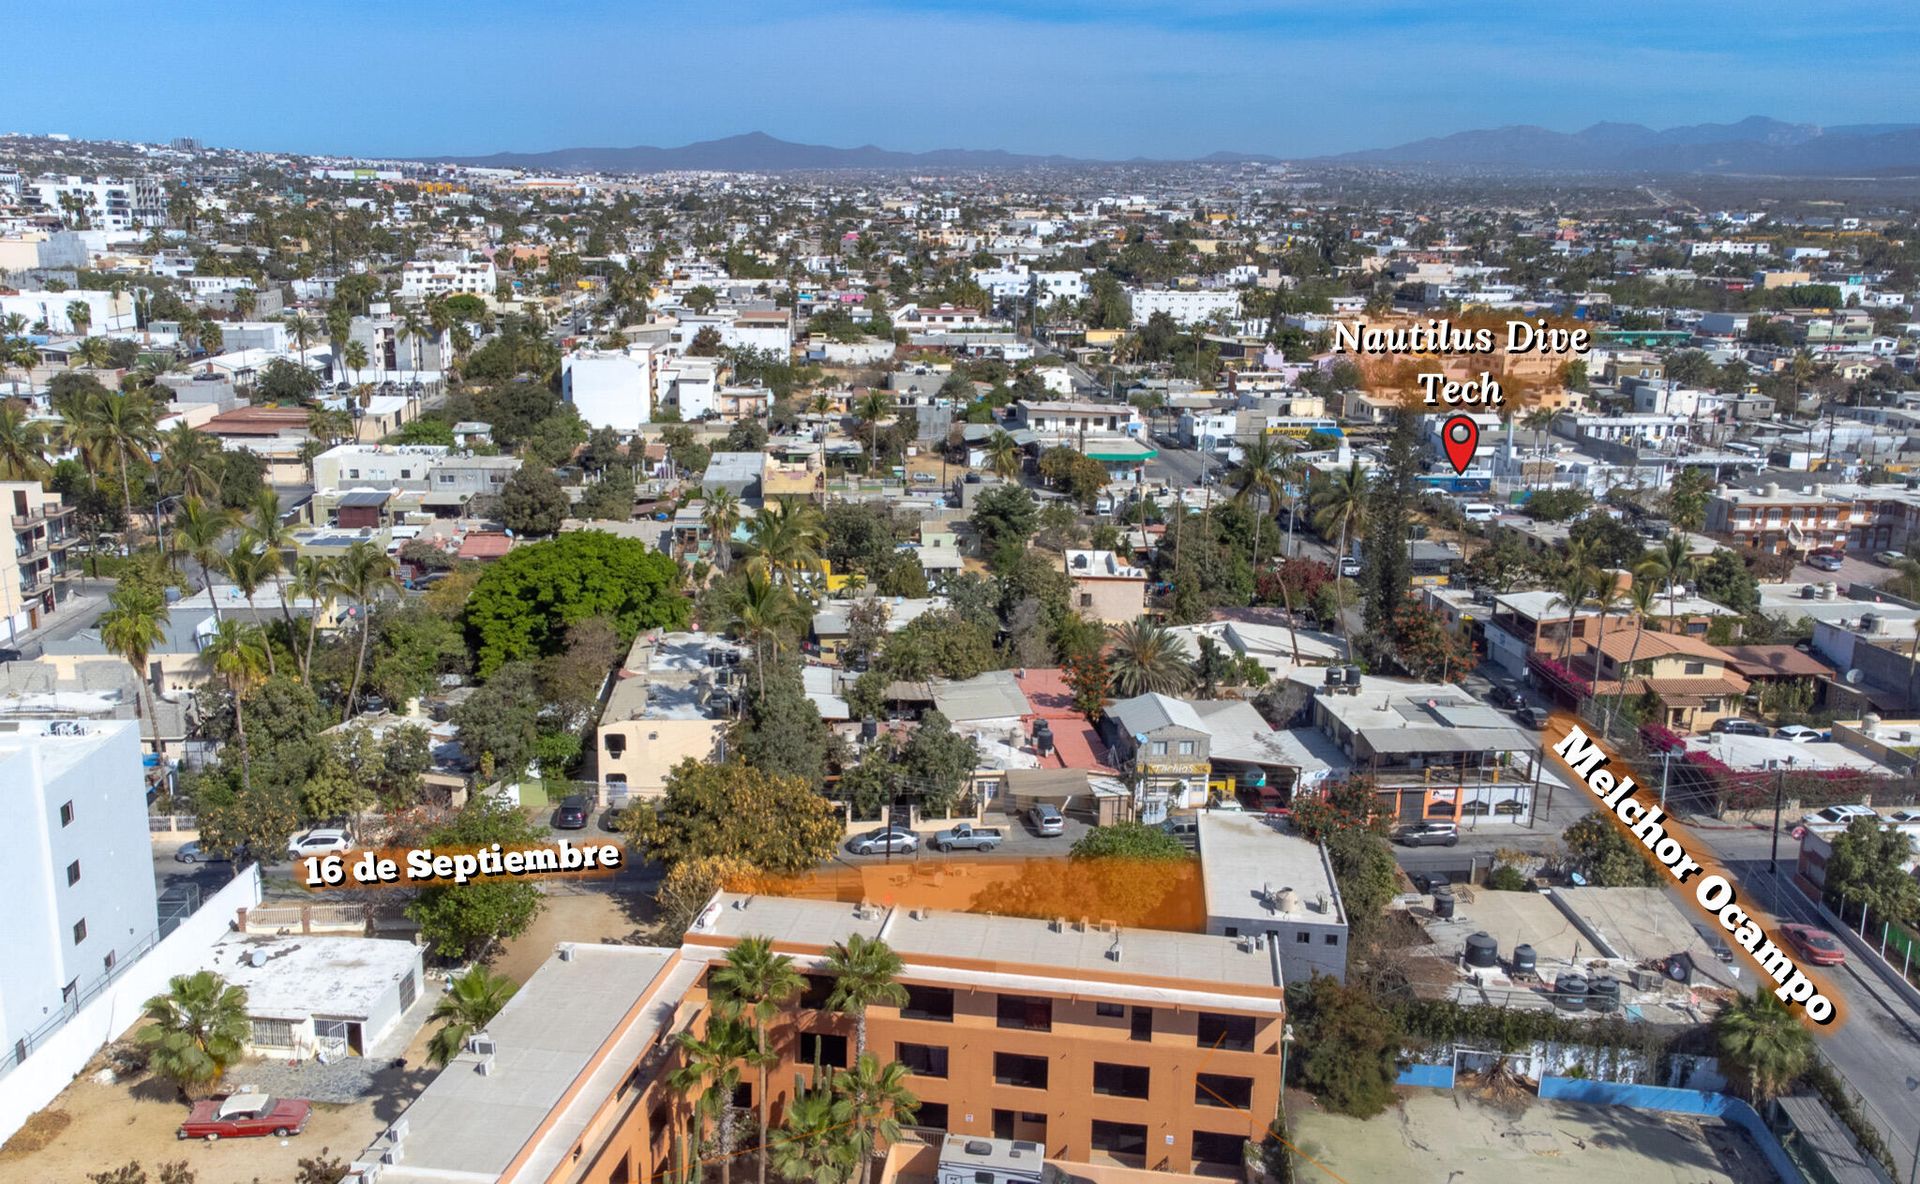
135 1120
1446 1137
112 1124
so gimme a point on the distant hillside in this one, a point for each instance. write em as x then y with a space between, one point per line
754 152
1754 145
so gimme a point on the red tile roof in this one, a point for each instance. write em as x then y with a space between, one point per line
482 544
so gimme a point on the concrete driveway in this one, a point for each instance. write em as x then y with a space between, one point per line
1854 569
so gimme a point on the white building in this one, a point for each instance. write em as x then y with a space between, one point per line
1185 306
104 203
78 877
611 390
110 313
421 279
1274 886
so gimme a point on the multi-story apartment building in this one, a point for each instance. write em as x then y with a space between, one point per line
1187 306
78 877
429 477
99 203
1166 745
611 389
392 352
40 528
1784 520
1142 1048
1074 418
420 279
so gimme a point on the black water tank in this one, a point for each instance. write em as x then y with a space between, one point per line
1570 992
1679 967
1042 737
1483 952
1603 994
1443 905
1523 960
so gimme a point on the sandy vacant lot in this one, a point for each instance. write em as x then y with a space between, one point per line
1445 1137
112 1124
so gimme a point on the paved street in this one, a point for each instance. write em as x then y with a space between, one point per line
1877 1048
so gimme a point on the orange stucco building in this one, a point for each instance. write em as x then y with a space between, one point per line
1130 1047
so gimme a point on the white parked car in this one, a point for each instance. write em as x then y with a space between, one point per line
319 841
1798 733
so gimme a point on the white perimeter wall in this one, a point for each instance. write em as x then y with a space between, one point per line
59 1058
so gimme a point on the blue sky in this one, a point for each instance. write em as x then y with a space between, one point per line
1101 78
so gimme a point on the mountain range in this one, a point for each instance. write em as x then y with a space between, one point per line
1753 145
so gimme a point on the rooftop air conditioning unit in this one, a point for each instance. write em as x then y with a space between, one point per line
481 1044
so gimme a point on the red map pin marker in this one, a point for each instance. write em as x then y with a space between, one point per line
1461 436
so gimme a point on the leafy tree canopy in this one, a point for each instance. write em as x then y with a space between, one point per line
522 606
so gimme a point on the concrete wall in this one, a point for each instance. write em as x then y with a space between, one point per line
56 1061
1677 1101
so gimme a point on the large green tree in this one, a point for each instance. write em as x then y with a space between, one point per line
523 605
464 921
1868 866
773 823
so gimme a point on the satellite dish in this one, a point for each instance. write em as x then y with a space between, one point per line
1854 677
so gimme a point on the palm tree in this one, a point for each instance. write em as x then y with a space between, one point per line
94 353
1340 510
23 444
131 627
250 565
1003 455
477 996
1258 480
20 354
1765 1048
198 529
873 1099
355 358
200 1027
865 972
1607 597
274 538
1144 657
1676 564
313 581
764 614
1572 591
814 1146
710 1066
120 428
411 329
784 539
240 657
1642 597
363 575
870 409
756 984
189 458
720 518
80 316
302 329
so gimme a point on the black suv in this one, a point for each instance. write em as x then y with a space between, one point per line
572 814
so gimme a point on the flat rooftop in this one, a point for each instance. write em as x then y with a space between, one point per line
469 1125
1241 855
339 977
943 945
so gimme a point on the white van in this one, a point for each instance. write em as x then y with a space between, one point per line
1480 511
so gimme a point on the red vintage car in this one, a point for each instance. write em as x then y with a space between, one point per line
239 1116
1818 945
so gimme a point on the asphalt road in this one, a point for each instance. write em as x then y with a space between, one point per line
1877 1048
